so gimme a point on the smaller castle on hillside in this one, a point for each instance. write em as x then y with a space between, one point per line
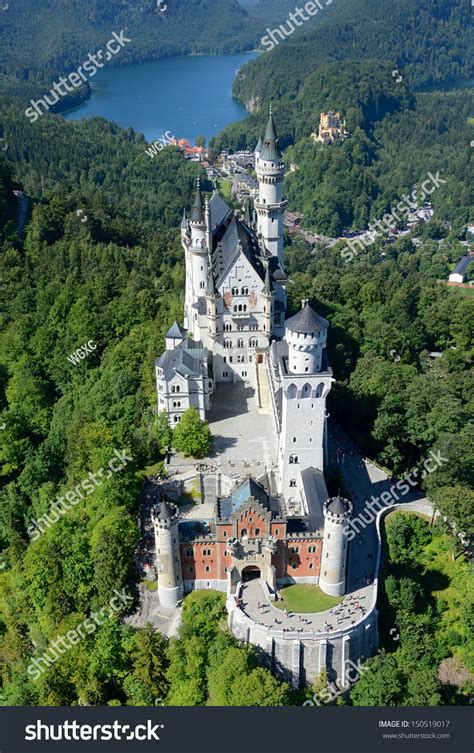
331 127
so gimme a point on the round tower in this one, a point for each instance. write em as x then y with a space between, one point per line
332 578
306 334
165 518
270 205
198 249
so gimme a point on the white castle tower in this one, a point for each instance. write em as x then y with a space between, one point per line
195 245
170 582
306 384
270 206
332 579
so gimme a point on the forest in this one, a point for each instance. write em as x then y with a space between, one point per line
100 260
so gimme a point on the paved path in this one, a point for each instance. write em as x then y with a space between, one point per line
337 618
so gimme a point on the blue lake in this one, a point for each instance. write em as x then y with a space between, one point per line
187 96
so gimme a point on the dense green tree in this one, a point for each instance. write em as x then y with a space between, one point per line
192 436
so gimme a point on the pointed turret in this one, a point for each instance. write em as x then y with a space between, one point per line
184 221
270 205
270 150
248 216
198 206
267 288
211 288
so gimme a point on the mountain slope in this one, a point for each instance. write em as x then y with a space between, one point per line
429 41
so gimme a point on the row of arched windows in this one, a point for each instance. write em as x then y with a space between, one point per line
243 291
292 391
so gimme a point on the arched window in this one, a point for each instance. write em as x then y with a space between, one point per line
293 482
240 307
240 343
227 343
294 460
243 533
306 391
245 307
253 342
257 532
227 327
245 291
235 291
320 390
202 284
291 392
177 388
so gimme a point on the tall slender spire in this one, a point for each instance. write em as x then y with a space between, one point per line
271 146
184 221
267 288
198 207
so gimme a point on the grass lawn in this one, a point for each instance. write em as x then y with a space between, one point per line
305 598
225 187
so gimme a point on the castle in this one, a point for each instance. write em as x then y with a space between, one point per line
280 527
331 127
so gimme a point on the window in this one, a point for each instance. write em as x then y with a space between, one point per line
294 565
311 549
276 531
245 291
175 419
190 569
225 533
243 533
257 532
188 552
292 482
294 459
176 404
306 391
240 359
294 549
227 327
235 291
244 373
329 535
320 390
311 565
225 374
227 343
207 569
253 342
202 284
240 343
206 552
294 440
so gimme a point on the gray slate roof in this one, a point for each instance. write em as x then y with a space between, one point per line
271 146
306 321
185 360
337 505
176 332
462 265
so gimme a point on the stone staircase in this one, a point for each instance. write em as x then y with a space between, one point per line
263 389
